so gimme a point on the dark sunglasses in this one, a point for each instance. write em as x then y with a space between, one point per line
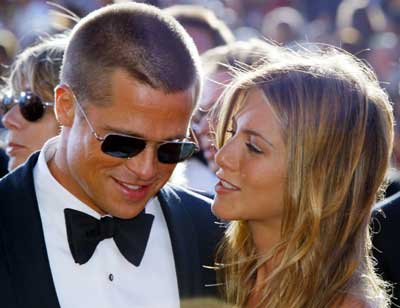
126 146
32 107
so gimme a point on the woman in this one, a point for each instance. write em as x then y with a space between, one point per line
27 110
303 148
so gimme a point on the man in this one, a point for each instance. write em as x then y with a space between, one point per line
90 222
385 231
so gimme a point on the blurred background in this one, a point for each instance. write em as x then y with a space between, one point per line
367 28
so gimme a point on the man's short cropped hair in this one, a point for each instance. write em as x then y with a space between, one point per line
149 44
204 19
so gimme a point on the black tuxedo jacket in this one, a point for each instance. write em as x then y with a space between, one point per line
25 275
385 238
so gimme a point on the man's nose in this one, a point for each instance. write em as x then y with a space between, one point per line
145 164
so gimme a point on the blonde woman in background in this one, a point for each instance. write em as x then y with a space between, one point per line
27 109
303 148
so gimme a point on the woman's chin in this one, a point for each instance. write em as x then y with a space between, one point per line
221 211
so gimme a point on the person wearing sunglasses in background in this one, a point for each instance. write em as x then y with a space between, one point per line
27 107
91 221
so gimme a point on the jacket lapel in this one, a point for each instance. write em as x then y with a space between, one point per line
24 242
183 240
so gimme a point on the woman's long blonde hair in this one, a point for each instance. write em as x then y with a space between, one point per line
338 129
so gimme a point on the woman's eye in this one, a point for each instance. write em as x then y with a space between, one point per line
253 148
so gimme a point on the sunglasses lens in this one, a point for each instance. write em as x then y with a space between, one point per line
31 106
122 146
175 152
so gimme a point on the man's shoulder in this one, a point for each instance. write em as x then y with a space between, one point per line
191 197
18 182
9 183
192 203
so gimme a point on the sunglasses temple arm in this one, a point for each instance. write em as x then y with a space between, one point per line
196 141
86 118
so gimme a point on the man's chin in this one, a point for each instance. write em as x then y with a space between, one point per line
127 210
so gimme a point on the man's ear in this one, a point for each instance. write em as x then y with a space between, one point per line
64 105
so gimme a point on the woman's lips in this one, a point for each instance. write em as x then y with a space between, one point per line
224 186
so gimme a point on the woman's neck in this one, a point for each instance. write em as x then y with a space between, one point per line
265 235
256 295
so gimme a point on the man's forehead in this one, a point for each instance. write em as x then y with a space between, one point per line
123 85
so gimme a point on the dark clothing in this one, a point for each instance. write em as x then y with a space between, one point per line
393 179
25 274
386 231
3 163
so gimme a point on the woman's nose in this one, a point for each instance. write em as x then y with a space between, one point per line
226 157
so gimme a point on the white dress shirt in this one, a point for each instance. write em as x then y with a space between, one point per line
107 280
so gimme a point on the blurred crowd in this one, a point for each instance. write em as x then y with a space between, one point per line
367 28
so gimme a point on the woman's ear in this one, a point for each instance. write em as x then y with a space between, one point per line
64 105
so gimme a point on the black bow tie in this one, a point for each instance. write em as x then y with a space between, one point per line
85 232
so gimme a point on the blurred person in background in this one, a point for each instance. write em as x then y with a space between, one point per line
356 22
219 66
303 147
284 25
29 20
391 8
383 55
206 30
393 87
8 48
27 108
